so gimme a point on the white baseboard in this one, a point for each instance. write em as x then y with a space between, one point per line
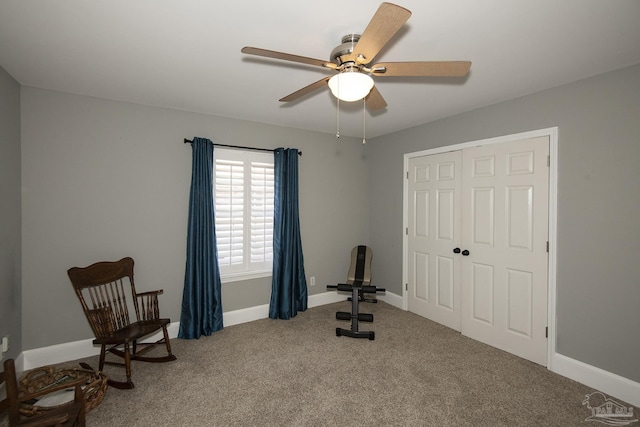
262 311
19 362
612 384
245 315
60 353
391 299
325 298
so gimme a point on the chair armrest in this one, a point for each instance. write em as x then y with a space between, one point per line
149 306
156 292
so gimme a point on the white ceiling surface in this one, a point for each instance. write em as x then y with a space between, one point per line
185 54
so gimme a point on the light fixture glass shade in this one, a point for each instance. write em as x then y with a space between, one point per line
350 85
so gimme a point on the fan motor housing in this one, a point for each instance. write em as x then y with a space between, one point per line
346 48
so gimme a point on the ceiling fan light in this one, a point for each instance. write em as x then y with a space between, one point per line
350 86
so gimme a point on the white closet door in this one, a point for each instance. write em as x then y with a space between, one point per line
433 232
505 230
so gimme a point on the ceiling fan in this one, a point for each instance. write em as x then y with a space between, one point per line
354 61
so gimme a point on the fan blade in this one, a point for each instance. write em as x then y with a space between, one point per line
305 90
287 57
422 69
374 101
386 22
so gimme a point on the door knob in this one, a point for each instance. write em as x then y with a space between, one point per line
465 253
456 251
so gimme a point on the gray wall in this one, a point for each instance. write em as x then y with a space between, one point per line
10 241
104 179
598 263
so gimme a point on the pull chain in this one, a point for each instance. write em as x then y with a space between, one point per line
338 114
338 120
364 121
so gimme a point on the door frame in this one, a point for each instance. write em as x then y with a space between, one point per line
552 134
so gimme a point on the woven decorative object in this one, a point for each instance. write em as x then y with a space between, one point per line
42 381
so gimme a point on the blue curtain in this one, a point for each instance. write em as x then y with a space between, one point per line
289 284
201 298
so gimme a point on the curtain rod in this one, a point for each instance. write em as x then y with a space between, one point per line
188 141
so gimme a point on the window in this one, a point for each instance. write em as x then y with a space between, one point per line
243 193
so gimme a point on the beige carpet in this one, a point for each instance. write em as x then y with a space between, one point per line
298 373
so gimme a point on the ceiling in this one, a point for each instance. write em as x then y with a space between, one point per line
185 54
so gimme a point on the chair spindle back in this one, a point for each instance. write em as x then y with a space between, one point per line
102 289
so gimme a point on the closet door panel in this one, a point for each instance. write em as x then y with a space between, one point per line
505 229
434 231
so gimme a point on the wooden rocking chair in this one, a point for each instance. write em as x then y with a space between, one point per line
105 285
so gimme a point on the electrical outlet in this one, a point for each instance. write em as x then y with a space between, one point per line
313 280
5 343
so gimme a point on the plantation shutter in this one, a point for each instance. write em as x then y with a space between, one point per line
229 204
261 212
243 194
